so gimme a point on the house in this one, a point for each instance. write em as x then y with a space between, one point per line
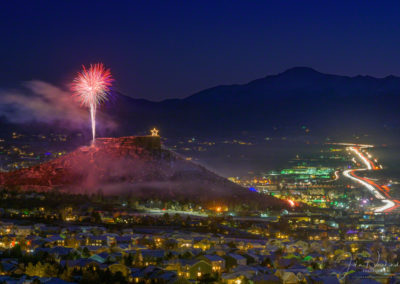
202 243
333 236
6 228
94 249
9 266
127 231
287 277
60 251
184 242
163 277
217 262
323 279
127 239
49 230
265 279
82 263
98 258
298 268
97 241
253 258
152 256
55 240
140 274
196 269
234 278
22 230
233 260
117 267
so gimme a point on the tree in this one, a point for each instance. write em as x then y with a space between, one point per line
90 276
85 252
208 278
16 252
96 216
188 220
51 270
170 244
36 270
30 269
128 260
177 219
66 274
166 218
138 259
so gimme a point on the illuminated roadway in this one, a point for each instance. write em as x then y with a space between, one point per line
380 192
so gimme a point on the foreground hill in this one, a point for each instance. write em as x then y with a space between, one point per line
134 166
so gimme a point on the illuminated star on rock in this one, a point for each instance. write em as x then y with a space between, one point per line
154 132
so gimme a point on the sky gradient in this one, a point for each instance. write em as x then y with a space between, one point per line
167 49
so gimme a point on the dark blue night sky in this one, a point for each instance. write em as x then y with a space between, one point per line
164 49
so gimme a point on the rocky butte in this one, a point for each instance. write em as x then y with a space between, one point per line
133 165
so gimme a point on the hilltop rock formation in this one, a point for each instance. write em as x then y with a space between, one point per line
132 166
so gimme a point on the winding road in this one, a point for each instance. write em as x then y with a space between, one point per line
380 192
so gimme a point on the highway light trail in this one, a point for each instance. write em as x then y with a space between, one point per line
362 157
350 174
336 175
380 192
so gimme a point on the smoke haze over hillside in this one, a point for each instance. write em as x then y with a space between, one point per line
43 102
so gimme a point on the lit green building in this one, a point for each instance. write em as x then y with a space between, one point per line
302 172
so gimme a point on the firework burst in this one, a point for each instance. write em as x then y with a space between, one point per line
92 87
